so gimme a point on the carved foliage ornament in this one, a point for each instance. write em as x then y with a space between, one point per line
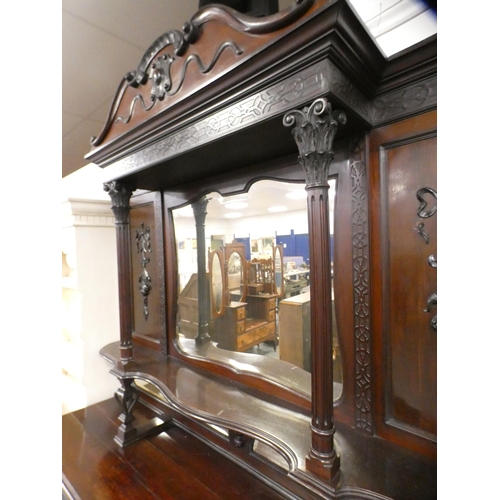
161 79
314 131
120 197
143 242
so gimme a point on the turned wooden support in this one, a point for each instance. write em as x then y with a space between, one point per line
200 214
314 131
127 397
120 204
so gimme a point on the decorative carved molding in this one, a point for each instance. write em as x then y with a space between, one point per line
361 280
314 130
412 99
344 90
419 228
180 40
120 200
423 204
297 89
425 214
143 242
162 81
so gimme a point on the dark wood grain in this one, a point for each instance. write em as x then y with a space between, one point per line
222 131
173 465
403 160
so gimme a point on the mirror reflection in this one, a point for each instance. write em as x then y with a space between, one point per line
257 273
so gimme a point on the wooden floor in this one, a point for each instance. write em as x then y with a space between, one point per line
172 465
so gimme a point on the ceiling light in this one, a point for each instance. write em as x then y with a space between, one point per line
278 208
232 215
184 212
297 195
236 205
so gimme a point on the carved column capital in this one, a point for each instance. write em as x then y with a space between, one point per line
314 130
120 200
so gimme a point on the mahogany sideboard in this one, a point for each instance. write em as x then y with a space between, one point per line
304 97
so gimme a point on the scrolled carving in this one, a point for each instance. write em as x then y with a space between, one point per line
162 81
425 214
161 76
314 130
423 204
179 40
419 228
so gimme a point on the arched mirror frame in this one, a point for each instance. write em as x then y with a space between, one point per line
229 250
349 171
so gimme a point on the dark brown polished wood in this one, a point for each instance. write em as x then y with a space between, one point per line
208 129
120 203
171 466
314 131
182 394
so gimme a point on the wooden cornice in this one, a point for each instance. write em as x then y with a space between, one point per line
246 58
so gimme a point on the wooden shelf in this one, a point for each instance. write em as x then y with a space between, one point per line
215 401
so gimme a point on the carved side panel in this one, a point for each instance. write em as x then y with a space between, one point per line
361 289
146 280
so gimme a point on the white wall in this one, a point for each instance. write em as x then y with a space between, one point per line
90 317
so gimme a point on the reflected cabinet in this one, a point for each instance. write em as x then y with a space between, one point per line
273 182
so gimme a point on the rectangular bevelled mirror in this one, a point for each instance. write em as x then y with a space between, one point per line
247 257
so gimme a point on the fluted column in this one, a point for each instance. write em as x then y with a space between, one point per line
314 130
120 204
200 214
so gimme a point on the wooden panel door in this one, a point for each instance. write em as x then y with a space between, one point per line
404 241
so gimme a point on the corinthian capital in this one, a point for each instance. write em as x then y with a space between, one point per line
120 200
314 130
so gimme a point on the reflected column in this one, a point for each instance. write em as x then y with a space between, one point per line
200 214
314 130
120 204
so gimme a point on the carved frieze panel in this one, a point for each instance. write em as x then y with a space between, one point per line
293 91
415 98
